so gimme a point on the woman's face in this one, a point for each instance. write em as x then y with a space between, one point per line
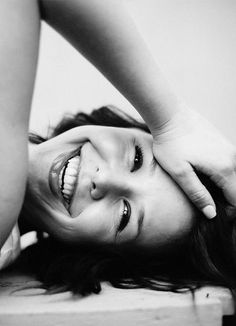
102 185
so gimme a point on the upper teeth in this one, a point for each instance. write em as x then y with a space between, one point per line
68 177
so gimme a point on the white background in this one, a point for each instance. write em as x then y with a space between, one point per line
193 41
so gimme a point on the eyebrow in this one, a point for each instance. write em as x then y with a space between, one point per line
140 222
153 165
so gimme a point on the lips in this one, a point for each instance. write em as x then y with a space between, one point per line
68 177
57 166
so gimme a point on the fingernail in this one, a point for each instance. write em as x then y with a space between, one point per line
209 211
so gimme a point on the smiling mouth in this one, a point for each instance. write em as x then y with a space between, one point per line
68 177
63 176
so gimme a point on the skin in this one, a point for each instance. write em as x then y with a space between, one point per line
19 37
112 176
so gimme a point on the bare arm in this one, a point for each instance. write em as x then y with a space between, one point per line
19 35
105 34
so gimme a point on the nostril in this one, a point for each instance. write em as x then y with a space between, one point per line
93 186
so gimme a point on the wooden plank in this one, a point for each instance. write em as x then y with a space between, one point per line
29 307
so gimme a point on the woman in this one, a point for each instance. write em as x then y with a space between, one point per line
97 28
104 237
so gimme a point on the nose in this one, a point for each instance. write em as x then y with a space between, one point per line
106 184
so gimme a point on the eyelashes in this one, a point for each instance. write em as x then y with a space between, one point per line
125 216
138 158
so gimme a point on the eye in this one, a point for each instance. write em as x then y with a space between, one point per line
125 216
138 158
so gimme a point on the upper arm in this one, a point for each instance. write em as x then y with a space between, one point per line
19 35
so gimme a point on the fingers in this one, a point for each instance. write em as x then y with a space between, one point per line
224 176
195 190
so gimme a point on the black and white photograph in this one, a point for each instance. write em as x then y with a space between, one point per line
118 162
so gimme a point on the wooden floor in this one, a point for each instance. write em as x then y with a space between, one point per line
115 307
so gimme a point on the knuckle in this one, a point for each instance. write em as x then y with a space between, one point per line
199 197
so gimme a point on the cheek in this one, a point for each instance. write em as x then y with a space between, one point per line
175 215
94 224
169 213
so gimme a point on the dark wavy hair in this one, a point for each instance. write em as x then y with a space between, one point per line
207 257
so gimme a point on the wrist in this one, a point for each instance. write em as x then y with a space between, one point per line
179 115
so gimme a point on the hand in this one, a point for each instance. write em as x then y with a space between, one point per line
189 141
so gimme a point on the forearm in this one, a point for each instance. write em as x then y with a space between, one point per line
19 34
105 34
